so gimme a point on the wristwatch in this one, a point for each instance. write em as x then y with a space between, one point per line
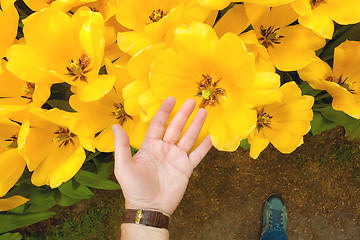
151 218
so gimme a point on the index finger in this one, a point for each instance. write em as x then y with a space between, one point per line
157 124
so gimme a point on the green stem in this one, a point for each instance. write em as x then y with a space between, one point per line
322 96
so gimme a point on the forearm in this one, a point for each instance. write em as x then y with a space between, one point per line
131 231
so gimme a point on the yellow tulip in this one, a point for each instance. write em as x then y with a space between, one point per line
12 202
282 124
342 82
221 4
318 15
139 99
16 94
112 50
289 47
12 165
151 21
65 49
220 75
9 19
63 5
100 115
234 20
51 148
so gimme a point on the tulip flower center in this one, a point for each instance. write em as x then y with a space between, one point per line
28 91
315 3
263 120
157 15
120 113
50 1
345 83
209 91
11 142
64 136
78 68
270 36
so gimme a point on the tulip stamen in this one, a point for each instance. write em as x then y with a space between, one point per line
316 3
209 91
270 36
263 119
79 68
64 136
11 142
120 113
28 91
50 1
342 82
157 15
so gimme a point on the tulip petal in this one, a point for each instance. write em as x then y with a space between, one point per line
222 137
12 202
258 144
289 58
60 166
12 166
321 25
234 20
96 88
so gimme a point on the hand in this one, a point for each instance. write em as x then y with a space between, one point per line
157 176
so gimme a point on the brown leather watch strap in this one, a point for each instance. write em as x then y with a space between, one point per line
146 217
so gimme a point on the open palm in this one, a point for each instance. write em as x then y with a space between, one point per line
157 176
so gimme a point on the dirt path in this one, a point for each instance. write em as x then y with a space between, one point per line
318 182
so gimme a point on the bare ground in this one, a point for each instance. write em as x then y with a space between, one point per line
319 183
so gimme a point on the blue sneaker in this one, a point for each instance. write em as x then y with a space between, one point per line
275 215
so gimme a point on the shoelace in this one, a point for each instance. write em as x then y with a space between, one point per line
276 218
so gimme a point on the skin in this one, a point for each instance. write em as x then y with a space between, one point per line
158 174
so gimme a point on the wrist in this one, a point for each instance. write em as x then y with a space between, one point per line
131 231
146 217
147 207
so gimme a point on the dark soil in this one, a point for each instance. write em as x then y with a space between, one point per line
320 183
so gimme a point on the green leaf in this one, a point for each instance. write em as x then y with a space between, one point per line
320 124
95 181
284 76
348 32
306 89
9 222
335 116
18 210
61 104
77 191
41 200
104 169
133 151
24 189
11 236
351 125
92 155
352 129
245 144
63 200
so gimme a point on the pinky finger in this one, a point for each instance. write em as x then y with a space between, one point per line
199 153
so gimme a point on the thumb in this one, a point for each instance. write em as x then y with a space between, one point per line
122 147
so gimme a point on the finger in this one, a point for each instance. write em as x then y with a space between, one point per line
157 125
177 124
199 153
122 147
191 134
